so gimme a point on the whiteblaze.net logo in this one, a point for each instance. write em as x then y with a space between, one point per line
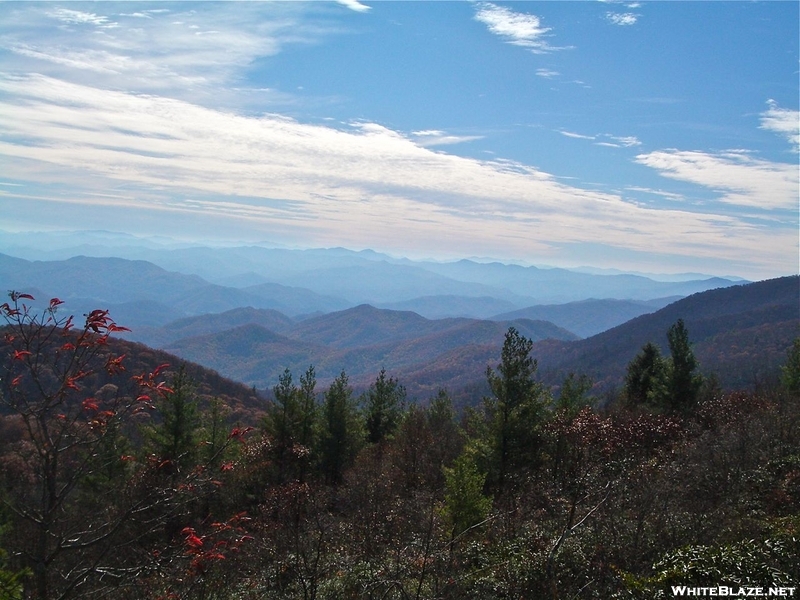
733 592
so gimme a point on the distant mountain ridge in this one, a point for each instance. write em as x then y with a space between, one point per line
742 330
742 333
588 317
197 280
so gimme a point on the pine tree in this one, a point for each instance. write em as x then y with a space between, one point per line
790 372
465 504
683 383
573 396
383 404
645 377
342 435
175 438
515 410
291 424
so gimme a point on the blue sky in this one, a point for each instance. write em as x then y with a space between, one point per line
657 136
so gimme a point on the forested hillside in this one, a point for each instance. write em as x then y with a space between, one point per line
740 333
129 478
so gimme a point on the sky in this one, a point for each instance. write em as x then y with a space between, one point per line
655 136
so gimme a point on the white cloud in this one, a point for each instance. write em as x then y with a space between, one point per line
783 121
189 53
367 184
578 136
354 5
622 19
738 178
661 193
627 141
547 73
616 141
67 15
440 138
520 29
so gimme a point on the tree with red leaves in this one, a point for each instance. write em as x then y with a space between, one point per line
80 505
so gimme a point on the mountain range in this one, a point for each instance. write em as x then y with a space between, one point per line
250 312
300 282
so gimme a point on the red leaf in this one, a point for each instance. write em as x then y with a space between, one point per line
89 404
20 354
114 365
55 302
239 432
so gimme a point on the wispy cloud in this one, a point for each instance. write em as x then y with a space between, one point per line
578 136
273 173
738 178
547 73
783 121
520 29
67 15
661 193
622 19
629 141
606 139
354 5
178 51
440 138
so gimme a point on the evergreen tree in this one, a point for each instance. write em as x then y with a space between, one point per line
213 432
341 438
683 383
465 504
790 372
383 403
291 423
307 404
515 410
646 376
573 396
280 421
175 438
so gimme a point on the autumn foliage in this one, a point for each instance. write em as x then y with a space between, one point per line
137 483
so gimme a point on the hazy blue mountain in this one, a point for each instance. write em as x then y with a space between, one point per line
116 281
295 301
441 306
556 286
587 317
345 277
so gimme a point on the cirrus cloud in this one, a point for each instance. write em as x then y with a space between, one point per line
783 121
519 29
738 178
366 182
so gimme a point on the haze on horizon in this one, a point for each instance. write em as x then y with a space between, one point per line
657 137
